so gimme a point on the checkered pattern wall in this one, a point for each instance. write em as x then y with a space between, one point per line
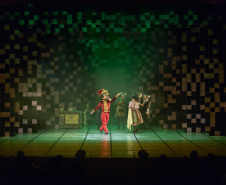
49 58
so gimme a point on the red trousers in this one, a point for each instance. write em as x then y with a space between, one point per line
104 119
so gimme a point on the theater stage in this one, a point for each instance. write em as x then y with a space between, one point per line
119 143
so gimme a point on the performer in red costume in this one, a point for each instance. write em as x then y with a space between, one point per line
105 104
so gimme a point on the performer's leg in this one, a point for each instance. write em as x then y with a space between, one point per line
135 129
118 120
102 118
122 122
101 128
144 123
105 118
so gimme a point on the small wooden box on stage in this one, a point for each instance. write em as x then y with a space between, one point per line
72 119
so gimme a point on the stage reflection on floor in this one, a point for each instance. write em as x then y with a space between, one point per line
119 143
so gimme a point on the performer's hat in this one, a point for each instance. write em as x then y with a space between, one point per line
102 91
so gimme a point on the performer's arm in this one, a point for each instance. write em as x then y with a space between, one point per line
140 104
95 109
113 99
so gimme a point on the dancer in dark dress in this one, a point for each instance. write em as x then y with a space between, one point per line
120 113
145 107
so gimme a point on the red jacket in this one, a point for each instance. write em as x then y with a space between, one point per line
101 104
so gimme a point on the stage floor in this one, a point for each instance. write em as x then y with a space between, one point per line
119 143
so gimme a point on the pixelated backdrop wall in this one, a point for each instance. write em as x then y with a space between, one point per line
49 61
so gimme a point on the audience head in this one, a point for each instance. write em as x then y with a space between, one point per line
20 154
194 155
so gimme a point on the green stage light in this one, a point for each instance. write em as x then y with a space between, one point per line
142 17
36 17
57 30
118 30
16 46
190 22
75 25
45 21
84 29
186 17
70 30
55 21
171 13
166 25
16 32
157 22
152 17
195 17
93 25
162 17
21 22
190 12
89 22
79 15
12 18
69 19
205 22
31 22
143 30
210 17
64 13
48 31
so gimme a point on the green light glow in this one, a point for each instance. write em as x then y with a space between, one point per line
57 30
61 25
21 22
31 22
36 17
